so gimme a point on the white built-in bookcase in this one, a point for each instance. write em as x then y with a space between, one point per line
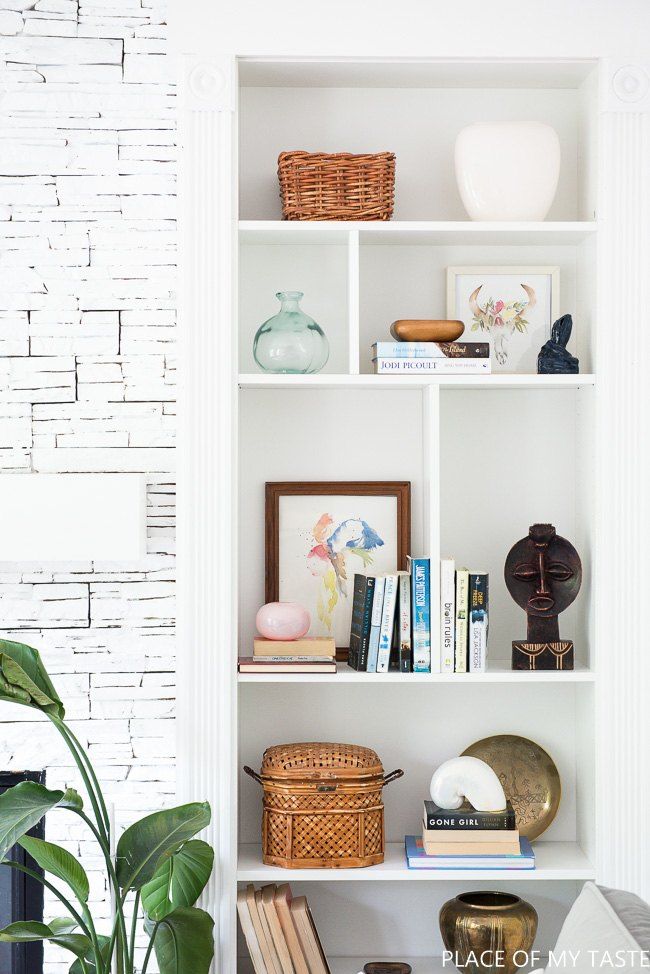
486 457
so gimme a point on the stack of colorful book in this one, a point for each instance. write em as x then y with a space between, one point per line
463 838
464 613
280 932
311 654
391 621
441 358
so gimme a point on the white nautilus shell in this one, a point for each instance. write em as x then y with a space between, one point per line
467 778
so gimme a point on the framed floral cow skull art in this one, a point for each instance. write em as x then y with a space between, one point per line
512 308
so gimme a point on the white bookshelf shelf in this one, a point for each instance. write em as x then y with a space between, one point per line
354 965
395 71
420 965
414 232
554 861
496 674
324 380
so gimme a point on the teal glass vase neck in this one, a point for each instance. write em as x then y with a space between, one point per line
290 342
289 300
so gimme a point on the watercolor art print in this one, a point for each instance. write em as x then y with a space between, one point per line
512 308
324 541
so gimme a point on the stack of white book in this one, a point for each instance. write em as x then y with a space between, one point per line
443 358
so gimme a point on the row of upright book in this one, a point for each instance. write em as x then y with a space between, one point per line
392 622
442 358
464 618
463 838
280 932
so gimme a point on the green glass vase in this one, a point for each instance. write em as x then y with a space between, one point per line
290 342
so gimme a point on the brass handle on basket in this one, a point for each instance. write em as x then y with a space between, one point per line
393 776
254 775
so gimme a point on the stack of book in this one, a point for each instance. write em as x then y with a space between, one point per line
464 605
442 358
279 931
391 621
311 654
463 838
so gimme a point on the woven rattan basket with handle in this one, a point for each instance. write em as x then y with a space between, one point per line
336 186
322 806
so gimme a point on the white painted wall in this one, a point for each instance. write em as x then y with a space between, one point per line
415 28
87 379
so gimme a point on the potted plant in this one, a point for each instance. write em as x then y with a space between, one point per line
157 874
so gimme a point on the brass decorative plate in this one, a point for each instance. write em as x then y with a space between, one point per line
529 777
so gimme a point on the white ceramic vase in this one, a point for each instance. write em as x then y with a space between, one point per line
507 170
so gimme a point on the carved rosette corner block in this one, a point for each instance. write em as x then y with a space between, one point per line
209 84
625 86
543 574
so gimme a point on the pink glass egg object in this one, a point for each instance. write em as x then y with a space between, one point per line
282 620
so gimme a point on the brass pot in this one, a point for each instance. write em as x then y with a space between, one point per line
488 931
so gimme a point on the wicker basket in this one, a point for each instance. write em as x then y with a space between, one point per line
340 186
322 806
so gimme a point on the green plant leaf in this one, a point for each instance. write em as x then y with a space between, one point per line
184 942
63 925
71 799
89 957
22 807
62 864
28 931
24 932
145 843
179 880
77 943
24 679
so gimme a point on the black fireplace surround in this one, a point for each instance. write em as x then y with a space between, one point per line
21 897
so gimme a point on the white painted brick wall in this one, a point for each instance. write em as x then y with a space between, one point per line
87 381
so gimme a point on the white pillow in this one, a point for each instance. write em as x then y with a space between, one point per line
594 936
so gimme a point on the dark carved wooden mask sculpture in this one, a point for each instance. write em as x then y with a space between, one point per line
543 574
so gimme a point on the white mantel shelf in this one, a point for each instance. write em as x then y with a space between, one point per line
496 674
424 232
554 861
501 380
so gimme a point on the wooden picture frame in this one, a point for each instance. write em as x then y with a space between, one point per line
275 491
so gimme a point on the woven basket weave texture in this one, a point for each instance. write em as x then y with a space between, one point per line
322 806
336 186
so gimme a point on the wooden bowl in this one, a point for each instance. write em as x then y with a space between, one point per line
426 330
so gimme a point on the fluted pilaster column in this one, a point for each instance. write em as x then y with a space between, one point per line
623 473
207 537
